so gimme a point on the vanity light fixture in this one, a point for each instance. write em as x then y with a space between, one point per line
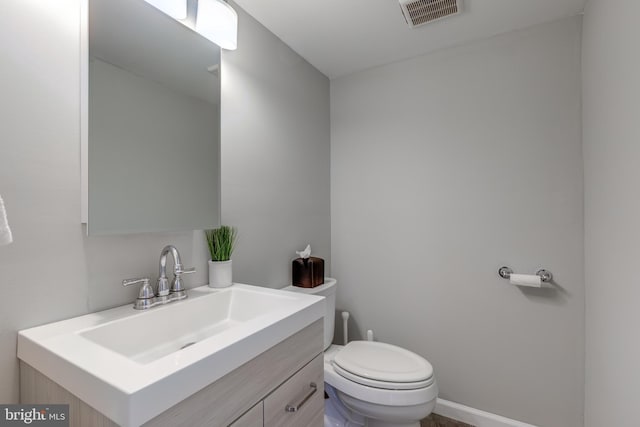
177 9
218 22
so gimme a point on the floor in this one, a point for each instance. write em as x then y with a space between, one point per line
435 420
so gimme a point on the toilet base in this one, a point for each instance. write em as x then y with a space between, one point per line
336 414
378 423
342 410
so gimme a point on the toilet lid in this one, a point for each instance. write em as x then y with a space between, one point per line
383 365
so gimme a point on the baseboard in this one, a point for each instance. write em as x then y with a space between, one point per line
473 416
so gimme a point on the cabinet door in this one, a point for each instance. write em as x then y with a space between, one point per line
300 400
252 418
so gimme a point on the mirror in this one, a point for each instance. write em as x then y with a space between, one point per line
153 136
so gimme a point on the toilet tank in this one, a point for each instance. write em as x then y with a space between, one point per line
327 290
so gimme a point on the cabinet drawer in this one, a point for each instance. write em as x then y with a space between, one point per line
297 402
252 418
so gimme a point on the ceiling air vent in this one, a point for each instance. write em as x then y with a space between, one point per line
420 12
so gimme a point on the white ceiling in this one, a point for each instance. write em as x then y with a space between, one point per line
344 36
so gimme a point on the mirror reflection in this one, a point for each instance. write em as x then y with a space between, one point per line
153 122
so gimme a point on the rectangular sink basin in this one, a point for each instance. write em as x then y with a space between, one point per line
133 365
140 339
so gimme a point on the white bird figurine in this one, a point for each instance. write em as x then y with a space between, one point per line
306 253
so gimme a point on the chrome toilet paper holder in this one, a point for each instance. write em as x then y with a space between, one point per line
545 275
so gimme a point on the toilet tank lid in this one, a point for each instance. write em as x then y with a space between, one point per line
327 288
383 362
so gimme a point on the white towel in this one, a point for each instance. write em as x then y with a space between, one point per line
5 231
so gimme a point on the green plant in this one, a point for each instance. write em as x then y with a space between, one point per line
221 242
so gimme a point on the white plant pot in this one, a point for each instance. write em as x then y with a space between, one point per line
220 274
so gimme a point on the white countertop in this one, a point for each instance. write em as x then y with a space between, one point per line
131 389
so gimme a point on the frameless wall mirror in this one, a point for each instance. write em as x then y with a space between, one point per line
151 146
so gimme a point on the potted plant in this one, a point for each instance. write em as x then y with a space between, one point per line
221 242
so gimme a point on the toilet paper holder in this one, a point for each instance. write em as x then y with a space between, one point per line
545 275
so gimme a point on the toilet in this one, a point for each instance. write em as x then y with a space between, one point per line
370 383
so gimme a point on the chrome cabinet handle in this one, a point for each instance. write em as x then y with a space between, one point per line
296 408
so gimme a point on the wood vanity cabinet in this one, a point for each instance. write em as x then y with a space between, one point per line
303 392
282 387
302 395
253 418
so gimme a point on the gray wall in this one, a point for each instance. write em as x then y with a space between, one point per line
52 271
611 90
444 168
275 155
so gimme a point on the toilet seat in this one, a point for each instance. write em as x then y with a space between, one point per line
374 395
385 385
382 365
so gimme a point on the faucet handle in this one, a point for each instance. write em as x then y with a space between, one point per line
185 271
177 288
129 282
145 296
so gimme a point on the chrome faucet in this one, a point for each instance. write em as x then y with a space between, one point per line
164 293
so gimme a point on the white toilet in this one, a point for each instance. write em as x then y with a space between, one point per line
370 383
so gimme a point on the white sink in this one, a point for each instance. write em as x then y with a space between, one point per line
133 365
147 338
